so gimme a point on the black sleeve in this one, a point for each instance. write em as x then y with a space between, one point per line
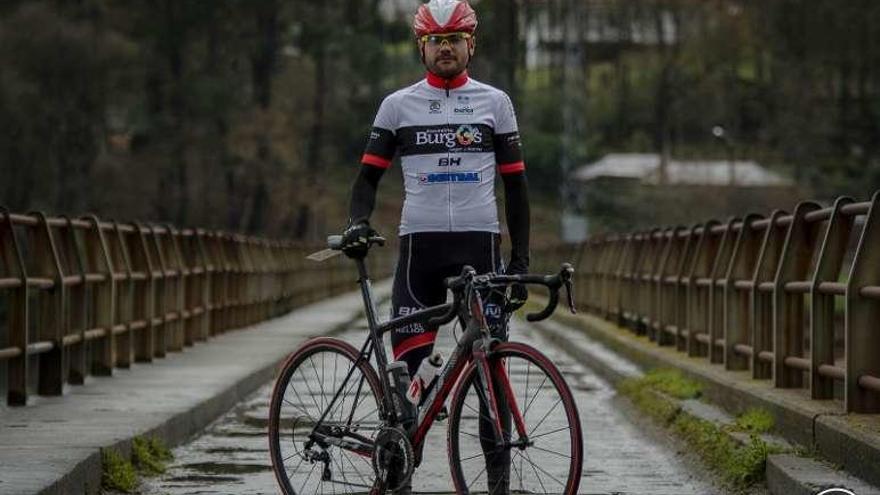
516 197
363 193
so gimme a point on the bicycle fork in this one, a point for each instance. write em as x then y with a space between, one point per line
492 375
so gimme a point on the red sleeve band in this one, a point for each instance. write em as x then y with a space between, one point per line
512 168
375 160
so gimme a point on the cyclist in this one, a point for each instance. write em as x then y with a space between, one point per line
452 133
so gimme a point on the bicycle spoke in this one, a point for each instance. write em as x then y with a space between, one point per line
309 387
518 473
295 406
356 470
538 390
318 385
303 487
528 459
476 477
550 451
545 416
543 470
550 432
472 457
537 476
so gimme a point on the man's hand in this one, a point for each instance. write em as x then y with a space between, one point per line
355 239
518 293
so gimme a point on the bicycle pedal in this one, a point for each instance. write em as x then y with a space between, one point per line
442 415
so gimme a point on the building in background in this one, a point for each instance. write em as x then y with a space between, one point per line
629 190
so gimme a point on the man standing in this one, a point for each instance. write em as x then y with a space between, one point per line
452 134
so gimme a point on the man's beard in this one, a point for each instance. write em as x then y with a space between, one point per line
447 71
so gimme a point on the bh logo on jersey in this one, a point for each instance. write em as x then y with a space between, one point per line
467 135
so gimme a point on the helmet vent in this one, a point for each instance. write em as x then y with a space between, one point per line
442 10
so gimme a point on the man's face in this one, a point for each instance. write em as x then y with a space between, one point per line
447 55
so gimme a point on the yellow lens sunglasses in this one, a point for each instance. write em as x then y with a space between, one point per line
436 40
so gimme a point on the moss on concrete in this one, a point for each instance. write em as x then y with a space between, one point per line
741 464
755 420
150 455
117 472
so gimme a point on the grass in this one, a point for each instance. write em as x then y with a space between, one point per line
740 464
150 455
118 473
755 421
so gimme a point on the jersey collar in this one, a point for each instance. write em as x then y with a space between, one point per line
441 83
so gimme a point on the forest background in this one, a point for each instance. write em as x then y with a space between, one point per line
251 115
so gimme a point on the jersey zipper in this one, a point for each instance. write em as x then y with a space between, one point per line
449 160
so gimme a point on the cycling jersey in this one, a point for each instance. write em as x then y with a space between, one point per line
450 136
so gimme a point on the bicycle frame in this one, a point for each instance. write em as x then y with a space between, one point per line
471 347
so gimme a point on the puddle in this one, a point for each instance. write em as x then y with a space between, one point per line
227 468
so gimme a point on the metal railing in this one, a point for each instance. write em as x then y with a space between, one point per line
791 297
84 296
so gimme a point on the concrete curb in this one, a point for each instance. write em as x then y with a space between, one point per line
852 441
794 475
32 460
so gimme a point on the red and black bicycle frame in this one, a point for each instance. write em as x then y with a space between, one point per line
474 348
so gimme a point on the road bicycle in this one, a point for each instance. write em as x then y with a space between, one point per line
340 424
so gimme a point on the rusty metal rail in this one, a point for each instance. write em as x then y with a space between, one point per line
83 296
791 297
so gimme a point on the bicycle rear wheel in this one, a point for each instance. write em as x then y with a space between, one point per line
309 457
549 460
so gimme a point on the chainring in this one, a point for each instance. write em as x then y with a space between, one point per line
393 458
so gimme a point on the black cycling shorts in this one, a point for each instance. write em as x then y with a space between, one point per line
426 259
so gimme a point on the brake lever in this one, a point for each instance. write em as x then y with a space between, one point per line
569 295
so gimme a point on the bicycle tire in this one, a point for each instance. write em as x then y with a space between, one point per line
527 367
299 400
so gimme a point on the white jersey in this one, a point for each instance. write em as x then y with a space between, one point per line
450 136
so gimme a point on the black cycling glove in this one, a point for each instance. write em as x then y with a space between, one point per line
355 239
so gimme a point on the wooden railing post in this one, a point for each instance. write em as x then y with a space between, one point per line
718 286
144 296
862 315
17 313
161 305
119 253
788 308
828 265
52 308
103 300
737 293
69 238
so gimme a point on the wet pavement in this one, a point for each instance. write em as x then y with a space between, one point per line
231 455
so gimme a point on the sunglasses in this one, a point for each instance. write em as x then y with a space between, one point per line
435 40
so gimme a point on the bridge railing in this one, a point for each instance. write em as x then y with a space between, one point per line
82 296
791 297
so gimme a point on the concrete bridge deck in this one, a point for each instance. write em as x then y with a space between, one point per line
52 445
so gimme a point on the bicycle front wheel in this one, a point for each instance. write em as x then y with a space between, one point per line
548 459
323 419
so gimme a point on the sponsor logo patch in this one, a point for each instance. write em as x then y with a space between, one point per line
449 177
492 310
434 106
465 135
448 162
